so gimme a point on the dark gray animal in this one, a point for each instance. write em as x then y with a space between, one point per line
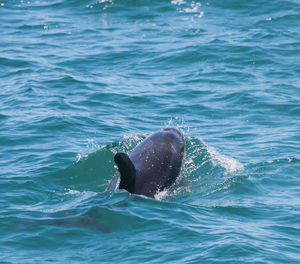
152 166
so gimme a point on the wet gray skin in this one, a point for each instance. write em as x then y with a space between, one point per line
152 166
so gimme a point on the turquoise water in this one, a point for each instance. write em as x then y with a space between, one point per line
81 80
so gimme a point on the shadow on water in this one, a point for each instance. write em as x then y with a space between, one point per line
88 222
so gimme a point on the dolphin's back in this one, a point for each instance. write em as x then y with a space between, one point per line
153 165
157 161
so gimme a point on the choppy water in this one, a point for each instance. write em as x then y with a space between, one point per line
81 80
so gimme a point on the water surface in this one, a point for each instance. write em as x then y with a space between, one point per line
83 79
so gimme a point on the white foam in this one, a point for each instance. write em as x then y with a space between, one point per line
192 7
161 195
231 165
101 2
91 146
72 192
80 157
178 2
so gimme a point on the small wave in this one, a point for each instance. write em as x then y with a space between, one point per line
204 169
91 146
231 165
283 160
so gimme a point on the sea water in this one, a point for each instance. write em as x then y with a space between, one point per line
83 79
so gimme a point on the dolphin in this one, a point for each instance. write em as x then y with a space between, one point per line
152 166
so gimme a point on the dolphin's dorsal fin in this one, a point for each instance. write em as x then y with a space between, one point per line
127 172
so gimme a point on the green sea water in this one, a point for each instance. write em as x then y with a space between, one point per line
84 79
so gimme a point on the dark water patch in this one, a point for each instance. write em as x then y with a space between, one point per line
3 117
15 62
